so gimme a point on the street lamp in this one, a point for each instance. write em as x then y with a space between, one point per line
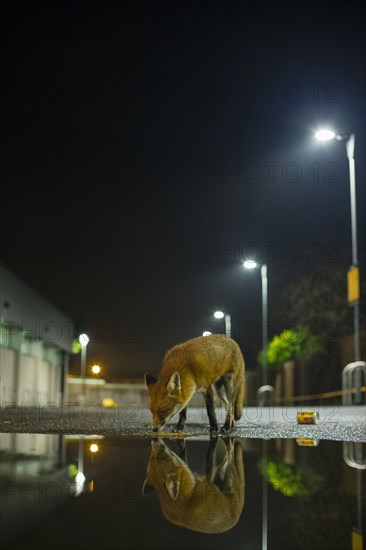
80 477
206 333
84 341
250 264
95 369
353 274
221 315
325 135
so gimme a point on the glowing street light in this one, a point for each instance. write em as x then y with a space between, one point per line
95 369
353 273
206 333
250 264
94 448
325 135
219 314
84 340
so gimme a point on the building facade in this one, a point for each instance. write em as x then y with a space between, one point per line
35 343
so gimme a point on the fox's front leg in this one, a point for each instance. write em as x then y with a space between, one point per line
182 419
210 406
182 450
210 458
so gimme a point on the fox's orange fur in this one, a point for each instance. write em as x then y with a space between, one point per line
211 503
211 364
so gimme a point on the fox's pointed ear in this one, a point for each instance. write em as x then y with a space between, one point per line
149 379
174 386
147 488
173 485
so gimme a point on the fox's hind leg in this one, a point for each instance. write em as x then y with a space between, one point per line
219 468
227 397
220 389
229 477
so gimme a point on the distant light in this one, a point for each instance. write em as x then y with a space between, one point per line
325 135
95 369
219 314
79 483
250 264
80 478
84 340
94 448
108 402
206 333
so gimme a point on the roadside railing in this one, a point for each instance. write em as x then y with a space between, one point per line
348 376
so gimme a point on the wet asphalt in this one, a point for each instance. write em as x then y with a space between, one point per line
335 422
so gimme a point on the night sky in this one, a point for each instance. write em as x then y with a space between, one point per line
149 148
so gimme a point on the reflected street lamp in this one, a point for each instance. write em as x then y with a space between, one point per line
80 477
94 448
328 135
221 315
250 264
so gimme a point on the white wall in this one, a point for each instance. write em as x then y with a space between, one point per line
39 382
7 374
30 444
27 381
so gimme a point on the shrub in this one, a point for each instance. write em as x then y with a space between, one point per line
291 344
290 480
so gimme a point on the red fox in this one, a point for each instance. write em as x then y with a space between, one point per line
211 364
211 503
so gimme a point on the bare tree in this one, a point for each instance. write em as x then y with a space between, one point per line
319 300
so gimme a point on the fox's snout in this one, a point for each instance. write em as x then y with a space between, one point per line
158 426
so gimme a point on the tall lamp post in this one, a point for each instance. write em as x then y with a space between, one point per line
250 264
353 273
221 315
84 341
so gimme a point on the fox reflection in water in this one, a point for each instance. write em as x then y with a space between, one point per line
211 503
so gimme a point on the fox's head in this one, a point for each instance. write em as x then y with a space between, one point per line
165 472
165 398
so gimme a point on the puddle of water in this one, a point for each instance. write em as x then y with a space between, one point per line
93 492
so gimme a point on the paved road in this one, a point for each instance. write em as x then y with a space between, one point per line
335 422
